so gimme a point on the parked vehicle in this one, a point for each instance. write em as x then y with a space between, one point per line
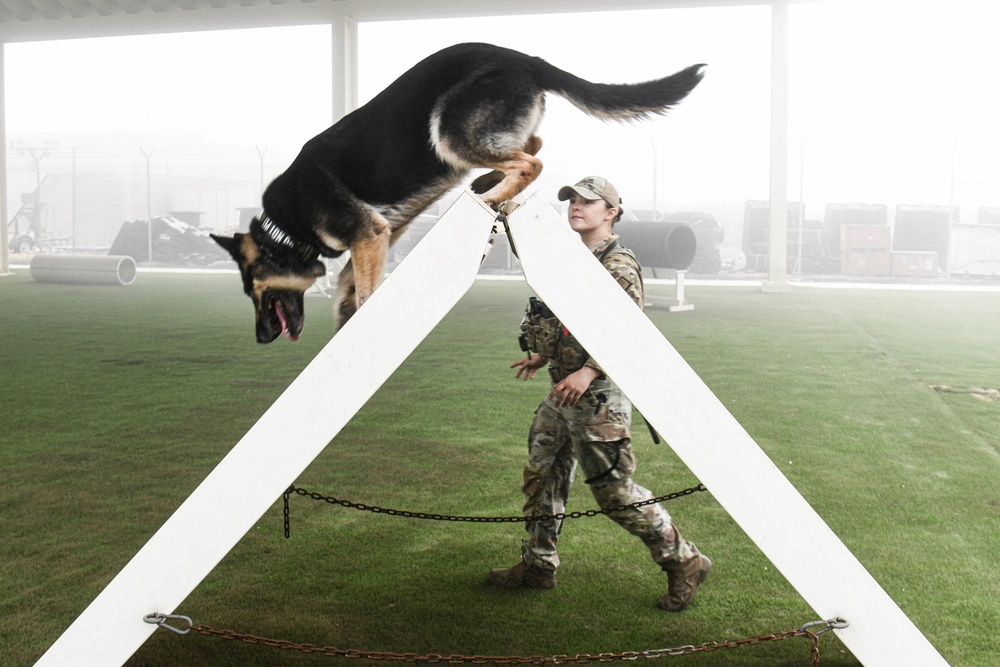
21 243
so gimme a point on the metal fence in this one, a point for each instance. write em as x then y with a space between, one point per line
80 197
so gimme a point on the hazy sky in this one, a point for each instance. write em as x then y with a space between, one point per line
882 94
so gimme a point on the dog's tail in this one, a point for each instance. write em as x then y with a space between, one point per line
621 102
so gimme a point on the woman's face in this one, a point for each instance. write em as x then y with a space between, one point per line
590 218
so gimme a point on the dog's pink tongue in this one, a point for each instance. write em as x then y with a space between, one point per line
280 312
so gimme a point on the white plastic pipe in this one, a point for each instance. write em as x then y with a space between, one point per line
93 269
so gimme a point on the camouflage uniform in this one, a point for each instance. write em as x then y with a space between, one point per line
594 433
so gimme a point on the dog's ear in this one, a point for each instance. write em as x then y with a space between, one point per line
230 244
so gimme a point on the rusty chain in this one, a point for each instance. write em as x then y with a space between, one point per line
475 519
579 658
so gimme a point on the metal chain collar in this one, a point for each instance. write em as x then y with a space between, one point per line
477 519
579 658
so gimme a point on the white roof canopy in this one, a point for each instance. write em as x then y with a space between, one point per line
40 20
27 20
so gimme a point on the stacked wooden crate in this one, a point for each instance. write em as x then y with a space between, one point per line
914 263
865 250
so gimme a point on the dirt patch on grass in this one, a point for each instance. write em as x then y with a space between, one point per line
983 394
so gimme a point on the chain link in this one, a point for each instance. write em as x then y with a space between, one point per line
478 519
579 658
286 513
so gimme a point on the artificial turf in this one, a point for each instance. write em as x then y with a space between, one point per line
118 401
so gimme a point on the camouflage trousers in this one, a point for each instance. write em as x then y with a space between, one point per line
596 435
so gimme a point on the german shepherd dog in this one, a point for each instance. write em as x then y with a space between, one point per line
357 185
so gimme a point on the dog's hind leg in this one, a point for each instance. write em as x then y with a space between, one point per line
519 172
491 179
345 304
488 180
533 145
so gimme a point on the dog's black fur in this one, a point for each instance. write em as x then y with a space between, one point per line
358 184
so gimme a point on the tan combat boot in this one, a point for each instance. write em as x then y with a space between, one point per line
683 579
522 575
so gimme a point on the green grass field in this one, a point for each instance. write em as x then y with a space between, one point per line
116 402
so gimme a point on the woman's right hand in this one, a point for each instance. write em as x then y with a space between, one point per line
528 366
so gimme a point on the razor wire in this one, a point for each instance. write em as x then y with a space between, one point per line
331 500
804 631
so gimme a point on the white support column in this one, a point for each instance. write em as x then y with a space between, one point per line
777 273
710 441
4 256
344 53
293 432
344 44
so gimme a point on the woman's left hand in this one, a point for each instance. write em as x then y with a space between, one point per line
570 389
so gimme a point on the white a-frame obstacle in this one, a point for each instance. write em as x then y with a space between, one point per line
408 305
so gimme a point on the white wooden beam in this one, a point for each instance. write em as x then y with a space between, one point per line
294 430
710 441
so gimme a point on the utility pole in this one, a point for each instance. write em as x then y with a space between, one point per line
149 203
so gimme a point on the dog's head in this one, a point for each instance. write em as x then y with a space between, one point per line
276 285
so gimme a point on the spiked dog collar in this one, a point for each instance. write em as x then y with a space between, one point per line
278 246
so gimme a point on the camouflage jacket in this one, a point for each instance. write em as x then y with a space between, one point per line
545 334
